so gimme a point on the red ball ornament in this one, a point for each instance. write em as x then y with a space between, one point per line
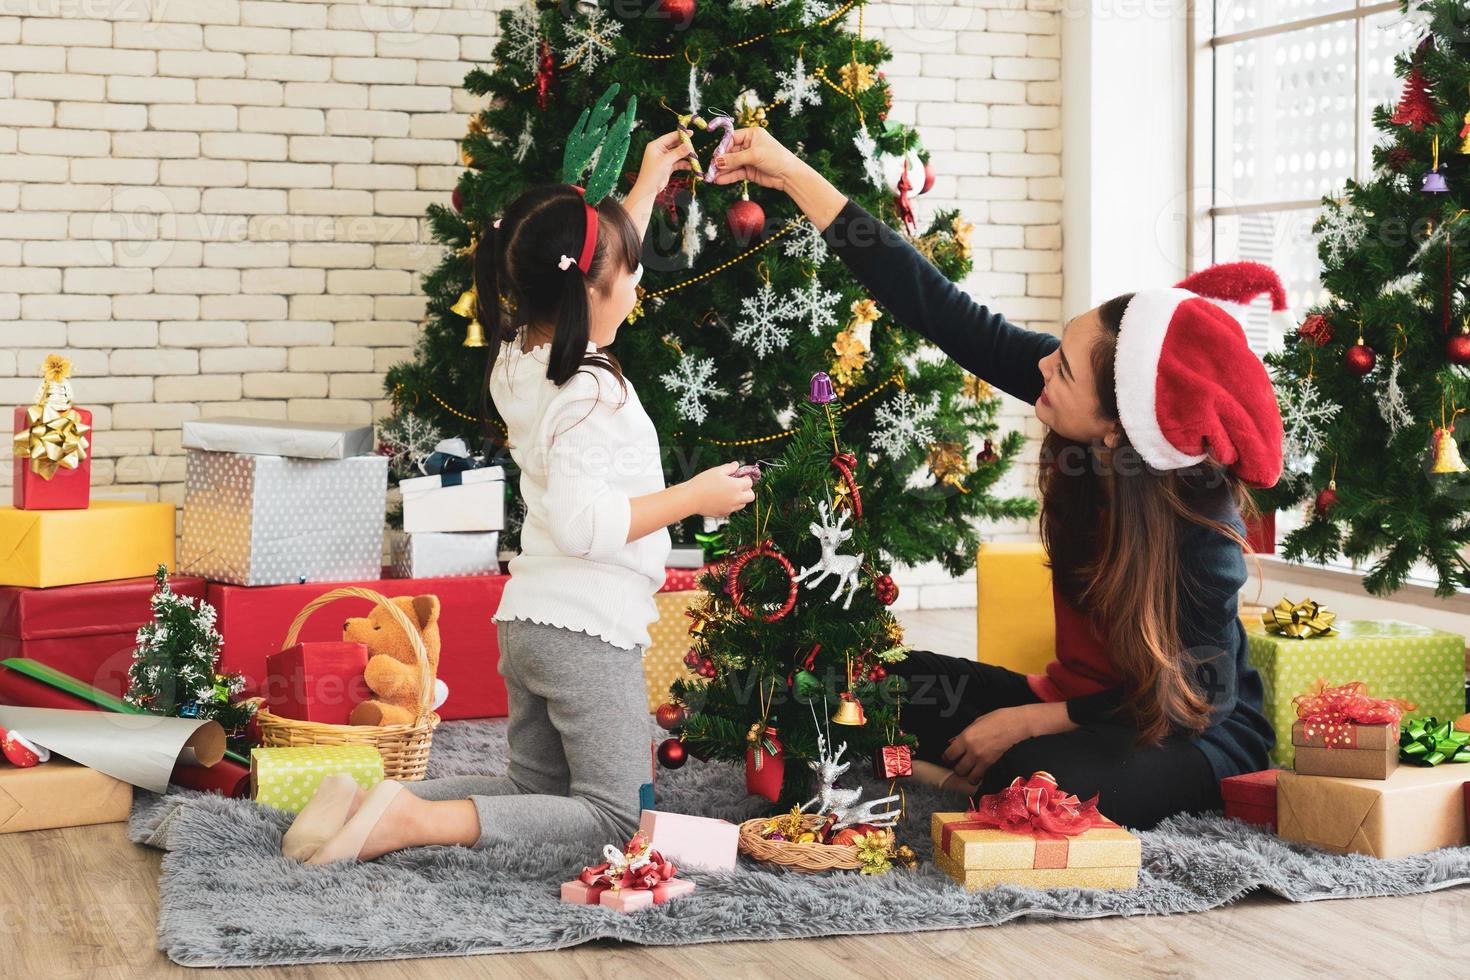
1458 349
670 716
886 589
672 754
1359 359
457 199
745 219
1327 499
679 13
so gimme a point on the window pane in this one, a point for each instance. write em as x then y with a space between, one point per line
1284 115
1384 36
1282 240
1233 16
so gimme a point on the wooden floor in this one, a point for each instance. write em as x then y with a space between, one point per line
84 903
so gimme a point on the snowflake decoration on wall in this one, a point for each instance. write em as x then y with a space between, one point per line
868 147
590 42
759 324
903 423
814 305
523 36
804 242
1393 403
408 440
798 88
691 379
1303 414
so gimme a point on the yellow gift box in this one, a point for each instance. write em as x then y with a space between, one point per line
663 663
286 777
1103 857
1014 626
108 540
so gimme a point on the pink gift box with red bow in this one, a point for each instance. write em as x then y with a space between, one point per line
635 878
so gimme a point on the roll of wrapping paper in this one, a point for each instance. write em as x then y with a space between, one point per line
28 682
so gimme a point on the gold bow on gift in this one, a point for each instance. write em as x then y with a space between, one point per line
52 440
1301 620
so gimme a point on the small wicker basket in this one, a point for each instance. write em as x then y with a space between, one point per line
405 748
810 857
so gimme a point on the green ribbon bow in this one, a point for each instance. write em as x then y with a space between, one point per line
713 543
1429 742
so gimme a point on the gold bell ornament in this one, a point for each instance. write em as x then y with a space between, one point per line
467 307
850 711
1446 452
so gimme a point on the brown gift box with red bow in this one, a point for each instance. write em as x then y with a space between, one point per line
1354 752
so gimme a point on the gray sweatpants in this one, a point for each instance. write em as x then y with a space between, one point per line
579 742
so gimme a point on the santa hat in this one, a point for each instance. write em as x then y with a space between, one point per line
1189 386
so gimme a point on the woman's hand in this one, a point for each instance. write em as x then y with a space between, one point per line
718 492
757 156
987 738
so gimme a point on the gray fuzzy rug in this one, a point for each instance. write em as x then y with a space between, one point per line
227 897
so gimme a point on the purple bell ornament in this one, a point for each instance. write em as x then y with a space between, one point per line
821 392
1434 182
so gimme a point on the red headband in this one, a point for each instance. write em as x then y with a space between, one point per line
589 237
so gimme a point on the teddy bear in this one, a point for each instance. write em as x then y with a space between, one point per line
392 669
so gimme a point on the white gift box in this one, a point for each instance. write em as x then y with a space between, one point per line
270 437
269 520
435 554
472 500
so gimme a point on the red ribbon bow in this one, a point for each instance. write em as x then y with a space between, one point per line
1335 710
1034 806
637 866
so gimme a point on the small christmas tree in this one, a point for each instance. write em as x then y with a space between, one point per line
173 669
794 627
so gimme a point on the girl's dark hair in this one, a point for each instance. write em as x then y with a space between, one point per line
1112 536
518 278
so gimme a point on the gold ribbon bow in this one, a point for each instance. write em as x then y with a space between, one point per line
1301 620
52 440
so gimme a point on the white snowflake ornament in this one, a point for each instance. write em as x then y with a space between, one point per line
868 148
904 423
522 38
1393 403
691 380
1303 414
798 88
760 317
806 243
814 305
409 440
591 40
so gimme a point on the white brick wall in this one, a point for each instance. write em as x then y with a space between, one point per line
216 206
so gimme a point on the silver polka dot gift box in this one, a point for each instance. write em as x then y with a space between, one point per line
270 520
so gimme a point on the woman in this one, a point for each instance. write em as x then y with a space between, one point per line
1159 417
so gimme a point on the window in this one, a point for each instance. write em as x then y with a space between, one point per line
1282 97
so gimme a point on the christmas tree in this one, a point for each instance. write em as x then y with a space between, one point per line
742 301
1372 382
173 669
793 635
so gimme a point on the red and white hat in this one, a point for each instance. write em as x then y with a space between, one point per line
1189 387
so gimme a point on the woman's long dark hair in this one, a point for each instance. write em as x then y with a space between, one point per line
519 280
1112 532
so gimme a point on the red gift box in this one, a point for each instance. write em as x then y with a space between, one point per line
254 621
1251 797
320 682
66 490
893 762
87 631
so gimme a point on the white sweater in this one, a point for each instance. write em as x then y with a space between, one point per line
584 449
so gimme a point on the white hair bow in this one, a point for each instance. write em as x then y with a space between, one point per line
566 262
497 223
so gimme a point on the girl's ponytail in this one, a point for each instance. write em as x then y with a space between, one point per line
573 326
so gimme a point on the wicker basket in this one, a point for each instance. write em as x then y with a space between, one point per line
810 857
405 748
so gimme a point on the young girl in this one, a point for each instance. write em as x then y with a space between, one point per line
1159 417
573 621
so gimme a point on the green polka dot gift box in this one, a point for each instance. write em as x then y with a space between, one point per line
1393 659
287 777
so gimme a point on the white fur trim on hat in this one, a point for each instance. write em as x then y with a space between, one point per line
1136 373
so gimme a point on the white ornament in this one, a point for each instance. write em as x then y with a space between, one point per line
806 243
1407 283
759 324
845 567
1393 404
710 231
868 148
813 11
411 440
1342 231
691 245
814 305
844 802
798 88
522 37
591 42
904 422
690 379
892 164
524 141
693 88
1303 414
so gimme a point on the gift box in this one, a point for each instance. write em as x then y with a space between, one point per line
700 843
1357 751
1412 811
467 500
663 661
38 485
320 681
286 778
893 762
111 539
60 793
636 877
270 437
254 621
1015 627
1421 665
1251 797
427 554
87 630
267 520
625 900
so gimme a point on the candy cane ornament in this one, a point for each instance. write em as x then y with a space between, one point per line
728 125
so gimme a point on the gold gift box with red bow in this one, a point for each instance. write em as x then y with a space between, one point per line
1103 857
